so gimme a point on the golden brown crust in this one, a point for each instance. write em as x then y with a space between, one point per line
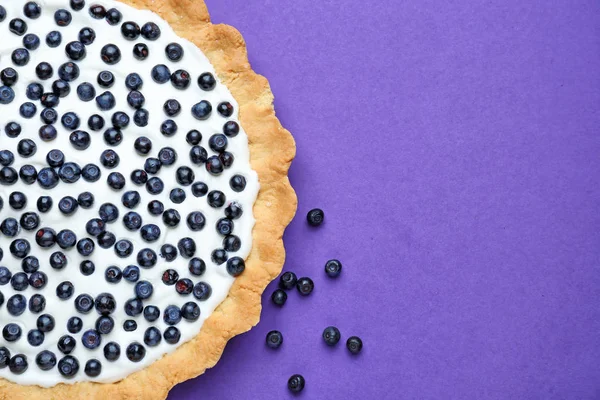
272 149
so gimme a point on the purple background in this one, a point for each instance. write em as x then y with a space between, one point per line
455 148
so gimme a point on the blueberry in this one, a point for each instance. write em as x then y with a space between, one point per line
296 383
171 217
161 74
190 311
197 266
20 248
150 233
140 51
237 183
305 286
38 280
140 117
68 71
105 303
13 129
85 247
136 100
106 240
85 200
274 339
105 325
86 92
45 237
172 315
110 54
19 281
84 303
168 128
168 252
95 226
45 322
45 360
186 247
231 129
170 277
214 165
5 275
184 286
66 344
133 307
17 26
218 143
90 173
226 159
9 76
139 177
150 31
172 335
224 226
4 352
232 243
185 176
129 325
132 221
123 248
177 195
97 11
116 180
131 199
87 36
106 101
120 120
180 79
47 133
91 339
58 260
134 81
136 352
354 344
131 273
155 185
130 30
68 366
113 16
152 165
70 121
315 217
69 172
151 313
167 156
147 258
47 178
37 303
32 10
16 304
199 189
143 289
87 267
96 122
143 145
113 136
65 290
279 297
2 18
235 266
11 332
68 205
17 200
9 227
152 336
195 221
18 364
62 17
7 95
225 109
174 52
155 207
109 159
207 81
27 110
202 110
75 324
93 368
331 335
75 50
77 5
53 39
80 140
202 291
216 199
60 88
6 157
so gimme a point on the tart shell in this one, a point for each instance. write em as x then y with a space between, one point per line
272 150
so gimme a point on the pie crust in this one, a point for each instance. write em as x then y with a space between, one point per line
272 149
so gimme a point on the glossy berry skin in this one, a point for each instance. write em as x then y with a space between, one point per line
354 344
93 368
68 366
26 148
112 351
202 110
105 325
331 335
197 266
44 204
155 185
9 76
152 336
9 227
75 50
135 352
180 79
84 303
333 268
132 221
80 140
172 315
20 248
59 87
147 258
5 357
218 256
143 289
91 339
45 323
171 217
150 233
136 100
207 81
85 200
296 383
172 335
224 226
69 172
87 36
45 360
110 54
113 136
113 274
130 30
129 325
75 324
106 101
19 281
68 205
105 303
151 313
11 332
108 212
199 189
202 291
62 17
161 73
58 260
97 11
123 248
87 267
106 240
133 307
5 275
190 311
106 79
95 122
198 155
186 247
16 304
305 286
140 51
70 120
38 280
214 165
66 344
177 195
193 137
7 95
235 266
274 339
131 273
315 217
86 92
65 290
91 173
170 277
288 281
139 177
53 39
279 297
115 180
18 364
174 51
47 178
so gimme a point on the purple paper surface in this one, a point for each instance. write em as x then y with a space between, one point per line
455 149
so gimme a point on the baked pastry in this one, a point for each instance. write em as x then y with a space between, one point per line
144 196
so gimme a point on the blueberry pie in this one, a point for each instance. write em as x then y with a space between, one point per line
143 196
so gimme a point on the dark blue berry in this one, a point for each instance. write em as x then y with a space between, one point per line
155 185
202 291
168 128
7 95
68 205
171 217
87 36
10 227
177 195
96 122
6 157
140 51
130 30
90 173
109 159
236 266
5 275
47 178
131 199
69 172
11 332
68 366
75 50
108 212
45 323
143 145
185 176
44 204
37 303
116 180
123 248
105 303
304 285
152 336
186 247
232 243
113 16
225 109
202 110
93 368
136 99
97 11
18 364
296 383
13 129
180 79
150 31
133 307
168 252
77 5
68 71
172 315
65 290
214 165
136 352
131 273
129 325
85 247
32 10
172 335
85 200
132 221
45 360
58 260
139 177
152 165
16 304
62 17
84 303
106 240
195 221
28 174
207 81
61 88
224 226
170 277
53 39
20 248
174 51
17 26
190 311
19 281
87 267
143 289
161 74
105 325
147 258
216 199
167 156
80 140
86 92
105 101
331 335
199 189
110 54
91 339
113 136
193 137
184 286
197 266
155 207
231 129
140 117
274 339
218 143
47 133
27 110
120 120
151 313
315 217
134 81
74 325
95 226
70 120
288 281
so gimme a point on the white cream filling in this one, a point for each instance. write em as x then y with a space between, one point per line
195 62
